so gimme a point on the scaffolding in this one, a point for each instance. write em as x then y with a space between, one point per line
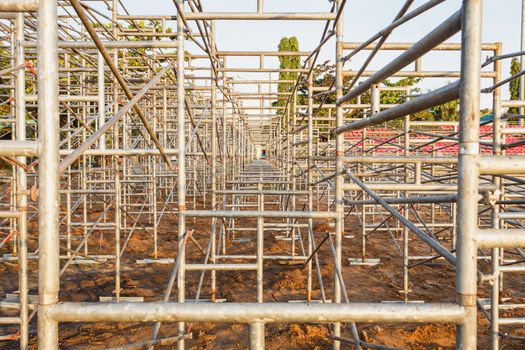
113 127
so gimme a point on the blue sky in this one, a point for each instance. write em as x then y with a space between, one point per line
363 18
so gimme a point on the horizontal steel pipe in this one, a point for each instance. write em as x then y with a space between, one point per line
9 320
513 103
121 152
259 16
406 46
10 214
259 54
497 165
18 5
409 200
378 186
500 238
234 16
260 214
419 74
511 215
513 131
12 148
388 159
511 320
111 44
220 267
7 15
263 312
264 182
67 98
266 192
265 257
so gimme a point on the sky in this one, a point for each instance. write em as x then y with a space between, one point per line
363 18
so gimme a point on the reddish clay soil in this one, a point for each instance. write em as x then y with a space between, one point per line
283 282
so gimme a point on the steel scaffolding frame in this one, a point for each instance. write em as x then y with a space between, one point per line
116 127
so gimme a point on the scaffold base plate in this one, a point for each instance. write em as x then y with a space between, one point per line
402 302
365 262
11 257
286 238
241 240
486 304
156 261
122 299
87 261
328 301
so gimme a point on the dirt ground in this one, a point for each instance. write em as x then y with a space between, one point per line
283 282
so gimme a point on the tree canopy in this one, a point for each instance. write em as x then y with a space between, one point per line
514 85
290 44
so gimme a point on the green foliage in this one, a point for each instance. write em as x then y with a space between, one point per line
514 85
391 97
323 76
485 111
5 129
446 112
290 44
151 25
98 25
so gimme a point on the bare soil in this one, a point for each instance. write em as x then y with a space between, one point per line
283 282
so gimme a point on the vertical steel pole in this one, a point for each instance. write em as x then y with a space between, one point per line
291 160
224 176
84 163
309 181
468 171
164 118
214 165
522 60
260 245
101 102
117 228
375 99
102 119
495 253
339 153
13 223
181 178
406 126
257 336
48 178
153 162
257 328
20 113
69 176
114 14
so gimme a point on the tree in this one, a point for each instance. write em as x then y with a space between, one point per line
290 44
514 86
